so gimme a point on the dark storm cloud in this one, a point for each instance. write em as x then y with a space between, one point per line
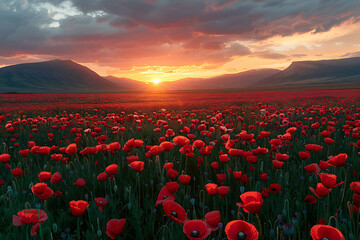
196 32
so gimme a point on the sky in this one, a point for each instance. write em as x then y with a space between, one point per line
173 39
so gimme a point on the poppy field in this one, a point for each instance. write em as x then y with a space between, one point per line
194 166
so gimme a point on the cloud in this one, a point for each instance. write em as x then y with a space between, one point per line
269 55
127 33
352 54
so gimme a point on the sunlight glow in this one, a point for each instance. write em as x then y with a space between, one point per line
156 81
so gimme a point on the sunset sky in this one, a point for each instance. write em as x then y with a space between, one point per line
173 39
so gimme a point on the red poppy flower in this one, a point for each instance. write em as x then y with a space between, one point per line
321 190
260 150
102 177
156 150
211 188
324 165
174 211
239 229
80 182
198 144
236 152
173 187
281 157
277 164
196 229
78 207
212 220
237 175
44 151
313 147
180 140
221 178
163 195
112 169
312 168
4 158
137 166
42 191
17 172
304 155
329 180
23 153
264 176
214 165
56 177
184 179
328 141
224 158
30 216
338 160
112 147
44 176
355 186
172 173
274 188
115 227
320 232
251 202
167 146
71 149
101 203
223 191
310 199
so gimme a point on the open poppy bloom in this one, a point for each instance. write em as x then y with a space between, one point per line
320 190
321 232
112 169
251 202
329 180
338 160
30 216
101 203
196 229
137 165
355 186
184 179
71 149
174 211
42 191
241 230
4 158
114 227
44 176
211 188
164 194
78 207
212 220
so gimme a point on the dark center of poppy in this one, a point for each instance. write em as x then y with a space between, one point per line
174 214
100 202
195 233
325 238
164 196
241 235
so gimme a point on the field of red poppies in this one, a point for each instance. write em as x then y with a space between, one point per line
281 165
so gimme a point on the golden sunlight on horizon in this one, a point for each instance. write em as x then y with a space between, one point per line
156 81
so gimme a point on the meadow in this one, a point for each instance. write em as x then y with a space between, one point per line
269 165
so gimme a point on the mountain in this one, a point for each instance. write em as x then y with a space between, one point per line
227 81
56 76
325 72
127 83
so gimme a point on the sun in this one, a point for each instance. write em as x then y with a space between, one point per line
156 81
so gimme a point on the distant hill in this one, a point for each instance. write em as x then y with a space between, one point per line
325 72
127 83
237 80
66 76
56 76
